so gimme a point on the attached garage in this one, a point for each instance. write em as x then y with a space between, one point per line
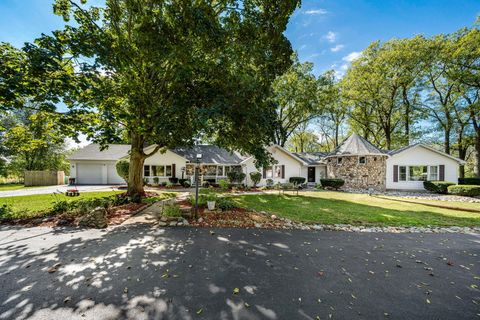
92 166
89 173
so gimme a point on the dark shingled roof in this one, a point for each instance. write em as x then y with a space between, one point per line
355 145
92 152
210 154
312 158
392 152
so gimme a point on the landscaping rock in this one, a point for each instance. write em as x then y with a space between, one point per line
162 224
97 218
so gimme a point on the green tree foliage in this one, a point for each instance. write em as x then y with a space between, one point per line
166 72
303 141
294 94
123 167
300 97
381 89
32 141
256 177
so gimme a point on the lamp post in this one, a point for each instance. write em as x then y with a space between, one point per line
198 159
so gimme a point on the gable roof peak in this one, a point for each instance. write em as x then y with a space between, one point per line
356 145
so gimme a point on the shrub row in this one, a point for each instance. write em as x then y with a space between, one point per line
297 180
465 190
437 186
332 183
470 181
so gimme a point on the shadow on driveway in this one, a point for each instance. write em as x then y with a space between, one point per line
138 272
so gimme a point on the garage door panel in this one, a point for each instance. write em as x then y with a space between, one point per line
89 173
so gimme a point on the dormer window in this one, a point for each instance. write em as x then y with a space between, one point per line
362 160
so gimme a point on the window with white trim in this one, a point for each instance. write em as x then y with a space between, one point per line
402 173
362 160
433 174
146 171
417 173
161 171
269 172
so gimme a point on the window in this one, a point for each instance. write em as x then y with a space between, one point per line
433 173
362 160
220 171
402 176
339 160
278 171
162 171
269 172
417 173
146 171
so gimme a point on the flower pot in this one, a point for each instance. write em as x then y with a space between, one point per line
211 205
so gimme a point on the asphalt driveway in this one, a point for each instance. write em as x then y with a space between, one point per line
136 272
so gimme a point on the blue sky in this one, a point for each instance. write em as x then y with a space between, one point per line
326 32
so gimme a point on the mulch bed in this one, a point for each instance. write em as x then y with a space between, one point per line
116 215
235 218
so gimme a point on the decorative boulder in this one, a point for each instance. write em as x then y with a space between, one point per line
97 218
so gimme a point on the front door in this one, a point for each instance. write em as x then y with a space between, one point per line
311 174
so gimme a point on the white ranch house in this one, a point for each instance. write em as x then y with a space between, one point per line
357 161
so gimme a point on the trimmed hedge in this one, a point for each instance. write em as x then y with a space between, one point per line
297 180
465 190
437 186
469 181
332 183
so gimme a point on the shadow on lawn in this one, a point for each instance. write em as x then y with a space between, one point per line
334 211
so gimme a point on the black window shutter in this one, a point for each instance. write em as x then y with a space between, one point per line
442 172
264 173
395 173
283 171
173 170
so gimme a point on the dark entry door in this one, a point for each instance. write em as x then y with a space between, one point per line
311 174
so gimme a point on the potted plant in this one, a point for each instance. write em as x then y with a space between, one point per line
211 198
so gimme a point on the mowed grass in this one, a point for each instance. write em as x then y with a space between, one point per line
35 205
328 207
8 187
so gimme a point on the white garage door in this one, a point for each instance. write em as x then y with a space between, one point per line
89 173
112 176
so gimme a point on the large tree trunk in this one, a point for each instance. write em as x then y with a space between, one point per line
135 172
462 154
477 151
447 141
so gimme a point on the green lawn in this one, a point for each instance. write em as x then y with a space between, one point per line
34 205
7 187
328 207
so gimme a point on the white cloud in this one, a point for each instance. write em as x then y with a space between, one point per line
303 46
331 36
352 56
338 47
316 11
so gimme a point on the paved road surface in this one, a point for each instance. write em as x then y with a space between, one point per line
139 272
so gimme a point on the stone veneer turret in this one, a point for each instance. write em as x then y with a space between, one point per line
371 174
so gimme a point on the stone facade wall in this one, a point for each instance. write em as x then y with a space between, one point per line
372 174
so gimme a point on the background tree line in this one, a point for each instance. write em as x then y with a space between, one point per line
396 93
